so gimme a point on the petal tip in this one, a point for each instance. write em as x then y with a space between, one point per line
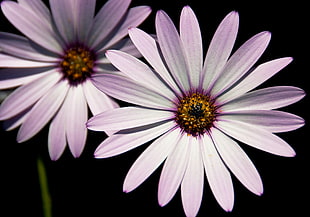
148 9
267 34
234 13
126 188
161 204
54 157
21 137
76 155
228 210
187 7
161 13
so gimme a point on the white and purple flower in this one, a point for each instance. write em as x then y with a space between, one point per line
53 65
195 111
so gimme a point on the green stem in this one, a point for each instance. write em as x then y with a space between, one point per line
46 198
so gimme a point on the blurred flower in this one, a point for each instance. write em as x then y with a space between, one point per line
64 48
195 111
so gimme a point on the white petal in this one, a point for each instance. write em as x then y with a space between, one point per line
267 98
21 47
134 17
57 134
64 18
240 62
16 121
191 39
126 140
27 95
150 159
127 117
84 12
192 183
173 171
97 101
106 20
73 18
138 71
76 120
271 120
124 45
38 8
14 77
42 111
172 49
217 174
7 61
42 32
147 46
220 48
259 75
238 162
256 137
126 89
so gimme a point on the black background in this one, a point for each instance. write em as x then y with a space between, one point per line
93 187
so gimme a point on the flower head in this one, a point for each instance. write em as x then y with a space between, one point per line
195 112
53 64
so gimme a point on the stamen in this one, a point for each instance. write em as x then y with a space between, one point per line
77 64
195 114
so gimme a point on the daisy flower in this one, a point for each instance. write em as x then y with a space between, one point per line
195 112
53 64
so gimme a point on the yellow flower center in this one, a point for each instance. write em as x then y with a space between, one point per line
195 114
77 64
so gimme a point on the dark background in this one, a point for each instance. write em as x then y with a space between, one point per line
93 187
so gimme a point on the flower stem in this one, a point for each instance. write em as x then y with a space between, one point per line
46 198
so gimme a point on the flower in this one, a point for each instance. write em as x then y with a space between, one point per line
64 48
195 111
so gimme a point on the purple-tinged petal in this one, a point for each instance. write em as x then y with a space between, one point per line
134 18
172 50
21 47
84 12
73 18
42 111
264 99
42 32
92 94
64 15
259 75
220 49
127 117
124 88
217 174
124 141
138 71
106 20
38 8
256 137
271 120
238 162
57 133
191 40
173 171
127 46
16 121
240 62
192 183
13 77
124 45
147 46
27 95
77 115
7 61
150 159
